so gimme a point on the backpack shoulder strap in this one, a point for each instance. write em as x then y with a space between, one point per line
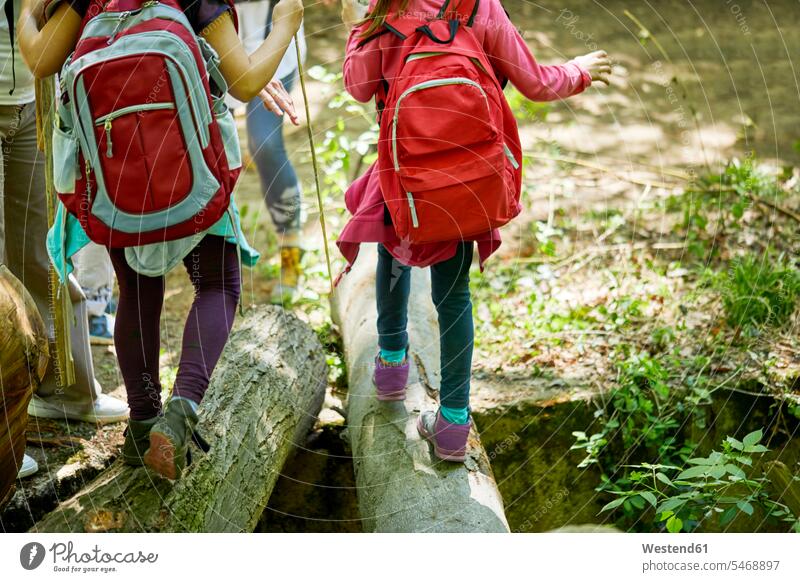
234 14
463 10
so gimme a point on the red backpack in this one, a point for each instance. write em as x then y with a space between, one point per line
143 150
449 155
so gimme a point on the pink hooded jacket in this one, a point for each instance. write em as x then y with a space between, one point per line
364 69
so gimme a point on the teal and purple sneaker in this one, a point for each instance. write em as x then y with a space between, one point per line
390 380
449 439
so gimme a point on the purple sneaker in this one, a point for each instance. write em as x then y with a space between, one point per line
449 440
390 381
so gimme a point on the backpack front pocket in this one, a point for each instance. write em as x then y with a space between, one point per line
142 122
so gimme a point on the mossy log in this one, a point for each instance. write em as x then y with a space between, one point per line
264 397
402 486
23 361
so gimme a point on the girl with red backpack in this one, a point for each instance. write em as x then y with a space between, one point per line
145 156
448 172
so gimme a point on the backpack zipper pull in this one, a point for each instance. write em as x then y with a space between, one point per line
109 146
413 208
87 170
123 16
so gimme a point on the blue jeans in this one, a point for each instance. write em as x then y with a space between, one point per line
451 296
278 179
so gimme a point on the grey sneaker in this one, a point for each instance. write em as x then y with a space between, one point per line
137 440
103 410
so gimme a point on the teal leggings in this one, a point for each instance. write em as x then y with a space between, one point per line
451 296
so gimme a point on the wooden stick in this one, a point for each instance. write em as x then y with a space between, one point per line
60 302
301 74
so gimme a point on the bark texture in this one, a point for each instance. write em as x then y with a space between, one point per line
23 361
402 486
263 399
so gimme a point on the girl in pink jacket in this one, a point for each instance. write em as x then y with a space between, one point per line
373 58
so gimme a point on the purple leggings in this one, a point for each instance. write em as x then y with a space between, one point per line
213 268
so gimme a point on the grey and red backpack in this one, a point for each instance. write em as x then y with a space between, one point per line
144 148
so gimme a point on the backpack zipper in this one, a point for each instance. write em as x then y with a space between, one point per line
426 85
123 16
413 208
107 120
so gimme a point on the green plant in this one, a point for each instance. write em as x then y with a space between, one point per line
643 418
524 109
715 204
759 291
717 486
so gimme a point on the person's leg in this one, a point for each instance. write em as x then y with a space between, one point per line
392 290
451 296
279 181
26 231
449 428
213 268
281 188
95 275
137 336
25 207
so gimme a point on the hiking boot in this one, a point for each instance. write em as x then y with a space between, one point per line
285 292
449 440
137 440
390 380
169 439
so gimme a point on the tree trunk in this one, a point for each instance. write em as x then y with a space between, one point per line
23 361
264 397
402 487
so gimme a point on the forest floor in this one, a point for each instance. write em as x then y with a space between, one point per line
657 249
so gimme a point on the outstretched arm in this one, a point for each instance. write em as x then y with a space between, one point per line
511 56
46 47
247 75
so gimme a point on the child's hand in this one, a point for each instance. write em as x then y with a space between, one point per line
289 13
277 99
597 64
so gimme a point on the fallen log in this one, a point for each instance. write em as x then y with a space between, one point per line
264 397
23 361
401 486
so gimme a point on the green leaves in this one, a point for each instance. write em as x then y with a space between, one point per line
753 438
616 503
674 524
693 472
649 497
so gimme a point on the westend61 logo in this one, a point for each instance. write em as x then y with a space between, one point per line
66 559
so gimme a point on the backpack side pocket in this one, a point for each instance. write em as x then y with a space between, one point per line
65 159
